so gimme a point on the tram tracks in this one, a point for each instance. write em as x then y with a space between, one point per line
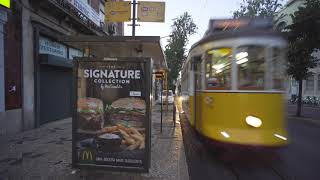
269 172
280 175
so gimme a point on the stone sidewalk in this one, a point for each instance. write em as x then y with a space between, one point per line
308 114
45 153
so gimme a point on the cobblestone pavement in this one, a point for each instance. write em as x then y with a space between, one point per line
45 153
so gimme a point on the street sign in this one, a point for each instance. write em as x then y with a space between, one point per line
151 11
5 3
111 119
118 11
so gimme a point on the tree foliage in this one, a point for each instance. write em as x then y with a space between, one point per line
183 27
304 38
253 8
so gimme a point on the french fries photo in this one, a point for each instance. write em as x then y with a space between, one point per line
131 137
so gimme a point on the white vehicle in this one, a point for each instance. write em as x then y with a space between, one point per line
164 96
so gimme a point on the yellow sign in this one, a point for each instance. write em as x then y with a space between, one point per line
5 3
151 11
118 11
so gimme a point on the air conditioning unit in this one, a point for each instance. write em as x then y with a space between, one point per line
112 29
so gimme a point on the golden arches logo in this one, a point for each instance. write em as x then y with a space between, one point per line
86 155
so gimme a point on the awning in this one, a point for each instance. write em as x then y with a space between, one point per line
120 46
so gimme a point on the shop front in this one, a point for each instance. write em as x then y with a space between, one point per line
54 80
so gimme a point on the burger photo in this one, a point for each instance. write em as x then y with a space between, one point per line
127 111
90 114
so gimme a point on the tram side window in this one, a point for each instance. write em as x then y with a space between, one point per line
251 67
218 69
278 68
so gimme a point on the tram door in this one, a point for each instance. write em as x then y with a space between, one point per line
197 94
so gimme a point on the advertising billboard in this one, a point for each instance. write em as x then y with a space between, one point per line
151 11
111 121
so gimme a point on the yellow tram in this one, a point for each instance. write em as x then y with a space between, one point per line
232 84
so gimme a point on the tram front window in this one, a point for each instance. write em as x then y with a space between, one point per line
218 69
251 67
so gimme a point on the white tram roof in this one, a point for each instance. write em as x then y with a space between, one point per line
245 28
236 28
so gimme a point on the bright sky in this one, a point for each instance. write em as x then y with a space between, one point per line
200 10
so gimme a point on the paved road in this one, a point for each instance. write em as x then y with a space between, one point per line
300 161
307 111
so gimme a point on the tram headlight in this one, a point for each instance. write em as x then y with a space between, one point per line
253 121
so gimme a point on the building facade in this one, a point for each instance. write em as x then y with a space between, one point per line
35 67
3 20
311 86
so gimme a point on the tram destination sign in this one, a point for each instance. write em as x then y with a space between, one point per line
225 24
111 121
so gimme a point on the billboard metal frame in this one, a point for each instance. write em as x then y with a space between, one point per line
148 80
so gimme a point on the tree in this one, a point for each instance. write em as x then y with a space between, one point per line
304 38
183 27
253 8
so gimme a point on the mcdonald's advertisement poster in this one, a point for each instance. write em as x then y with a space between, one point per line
111 122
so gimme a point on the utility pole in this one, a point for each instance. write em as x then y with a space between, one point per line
161 90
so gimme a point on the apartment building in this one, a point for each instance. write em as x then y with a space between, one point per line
311 86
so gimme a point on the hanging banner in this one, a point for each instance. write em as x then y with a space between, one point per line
111 122
151 11
118 11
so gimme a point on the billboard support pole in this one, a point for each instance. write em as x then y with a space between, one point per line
134 3
167 88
